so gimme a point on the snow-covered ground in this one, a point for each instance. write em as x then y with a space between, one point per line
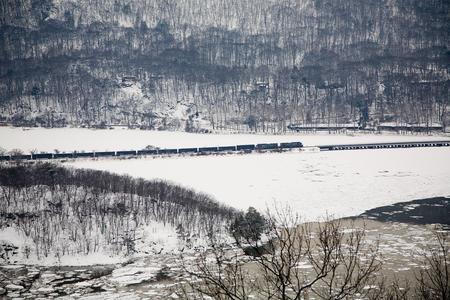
70 139
340 183
152 238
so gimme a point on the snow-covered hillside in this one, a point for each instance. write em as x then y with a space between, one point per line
341 183
56 216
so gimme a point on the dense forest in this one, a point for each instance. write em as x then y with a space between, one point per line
57 211
242 65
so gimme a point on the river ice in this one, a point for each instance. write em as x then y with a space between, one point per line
341 183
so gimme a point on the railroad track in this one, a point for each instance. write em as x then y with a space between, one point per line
247 148
384 145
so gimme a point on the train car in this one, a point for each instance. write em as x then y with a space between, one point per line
83 154
227 148
208 149
270 146
21 157
63 155
126 153
147 152
42 156
5 157
291 145
167 151
105 153
245 147
188 150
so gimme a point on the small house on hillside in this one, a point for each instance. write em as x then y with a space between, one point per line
128 81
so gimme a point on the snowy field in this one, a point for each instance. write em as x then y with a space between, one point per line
70 139
341 183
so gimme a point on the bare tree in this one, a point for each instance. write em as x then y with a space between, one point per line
325 260
221 274
433 280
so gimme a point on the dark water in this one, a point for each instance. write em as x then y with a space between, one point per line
424 211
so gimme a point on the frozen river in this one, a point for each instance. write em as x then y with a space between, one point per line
340 183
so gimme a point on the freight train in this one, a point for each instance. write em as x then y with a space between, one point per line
202 150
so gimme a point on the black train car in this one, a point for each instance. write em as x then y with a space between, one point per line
245 147
5 157
187 150
21 157
208 149
270 146
42 156
167 151
105 153
83 154
147 152
63 155
227 148
125 153
291 145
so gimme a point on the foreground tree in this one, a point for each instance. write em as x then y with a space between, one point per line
321 260
248 226
434 278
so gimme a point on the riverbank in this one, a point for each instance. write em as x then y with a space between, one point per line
401 238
